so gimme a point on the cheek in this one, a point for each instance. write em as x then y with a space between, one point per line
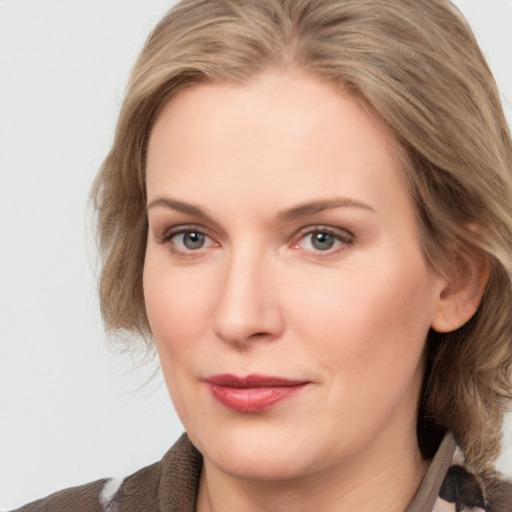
370 320
178 306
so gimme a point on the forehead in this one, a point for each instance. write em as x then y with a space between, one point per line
285 129
281 97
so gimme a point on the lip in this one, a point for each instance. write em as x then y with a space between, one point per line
253 393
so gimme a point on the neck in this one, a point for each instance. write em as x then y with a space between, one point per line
384 477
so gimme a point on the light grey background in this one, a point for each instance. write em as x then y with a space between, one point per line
72 410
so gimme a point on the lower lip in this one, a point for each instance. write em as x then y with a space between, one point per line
253 400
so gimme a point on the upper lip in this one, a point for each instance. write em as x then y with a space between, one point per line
252 381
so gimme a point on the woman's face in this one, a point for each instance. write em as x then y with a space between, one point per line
284 282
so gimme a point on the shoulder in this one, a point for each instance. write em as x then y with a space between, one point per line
82 498
105 495
498 495
465 489
172 480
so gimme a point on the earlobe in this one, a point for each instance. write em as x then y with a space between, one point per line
460 297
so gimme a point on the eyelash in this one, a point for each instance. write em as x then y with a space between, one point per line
342 239
173 233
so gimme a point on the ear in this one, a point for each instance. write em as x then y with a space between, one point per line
460 295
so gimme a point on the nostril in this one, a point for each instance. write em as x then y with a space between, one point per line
259 334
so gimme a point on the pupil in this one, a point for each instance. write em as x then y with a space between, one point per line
193 240
322 241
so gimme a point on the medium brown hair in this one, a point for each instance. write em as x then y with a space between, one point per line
418 67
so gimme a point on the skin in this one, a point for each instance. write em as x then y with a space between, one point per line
259 295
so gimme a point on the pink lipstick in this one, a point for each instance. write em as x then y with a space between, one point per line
254 393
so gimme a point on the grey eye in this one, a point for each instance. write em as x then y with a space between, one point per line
322 241
192 240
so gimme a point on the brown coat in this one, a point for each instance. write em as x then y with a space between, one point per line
171 486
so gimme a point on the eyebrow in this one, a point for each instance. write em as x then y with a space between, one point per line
311 208
302 210
180 206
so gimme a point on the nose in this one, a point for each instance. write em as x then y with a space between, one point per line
248 306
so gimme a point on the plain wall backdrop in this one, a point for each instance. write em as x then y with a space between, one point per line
71 409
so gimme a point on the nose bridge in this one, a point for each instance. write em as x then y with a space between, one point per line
248 306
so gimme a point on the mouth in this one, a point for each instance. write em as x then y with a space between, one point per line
253 393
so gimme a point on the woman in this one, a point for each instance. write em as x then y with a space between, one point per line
307 208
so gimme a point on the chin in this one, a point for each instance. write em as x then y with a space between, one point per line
253 453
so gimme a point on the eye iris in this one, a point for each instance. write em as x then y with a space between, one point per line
322 241
193 240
